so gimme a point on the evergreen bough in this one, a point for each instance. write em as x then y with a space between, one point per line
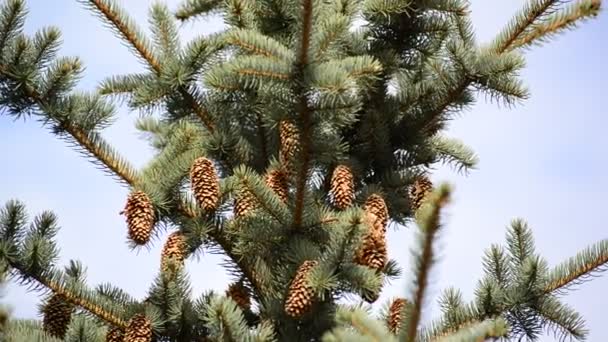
256 119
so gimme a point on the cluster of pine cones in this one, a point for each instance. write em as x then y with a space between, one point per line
141 218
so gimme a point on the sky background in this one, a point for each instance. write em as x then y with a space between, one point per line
544 161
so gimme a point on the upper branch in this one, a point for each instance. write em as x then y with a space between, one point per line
530 14
130 33
127 30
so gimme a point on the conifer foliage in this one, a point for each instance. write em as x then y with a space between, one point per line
289 141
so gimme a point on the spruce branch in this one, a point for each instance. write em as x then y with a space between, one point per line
559 22
533 12
482 331
126 28
453 151
114 15
579 268
435 117
520 242
428 219
496 265
386 8
46 43
164 31
562 319
83 299
123 85
356 319
30 253
61 76
458 318
92 144
19 330
264 196
258 44
103 154
12 18
225 320
330 31
224 241
193 8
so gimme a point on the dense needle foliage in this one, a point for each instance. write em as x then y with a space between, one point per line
287 142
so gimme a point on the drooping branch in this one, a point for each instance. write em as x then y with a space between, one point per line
90 141
75 299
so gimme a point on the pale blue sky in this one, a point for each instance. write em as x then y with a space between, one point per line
542 161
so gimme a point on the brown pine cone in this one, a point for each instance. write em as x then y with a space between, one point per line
395 314
300 296
115 335
373 252
244 203
174 249
290 139
205 183
342 187
277 181
57 314
139 329
375 205
240 295
140 217
419 191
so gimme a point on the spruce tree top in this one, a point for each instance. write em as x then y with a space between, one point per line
289 141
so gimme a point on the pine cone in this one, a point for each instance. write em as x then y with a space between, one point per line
57 316
205 183
375 205
114 335
174 249
419 190
244 203
342 187
240 295
300 295
395 314
372 252
140 217
139 329
289 138
277 181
